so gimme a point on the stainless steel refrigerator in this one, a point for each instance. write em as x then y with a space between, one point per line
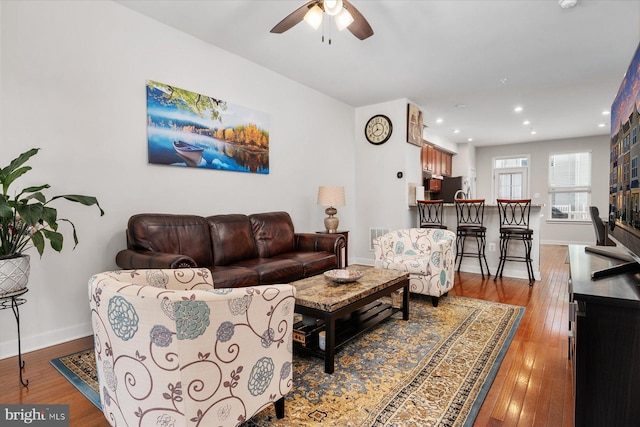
451 185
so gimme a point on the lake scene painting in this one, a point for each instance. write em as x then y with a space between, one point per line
187 129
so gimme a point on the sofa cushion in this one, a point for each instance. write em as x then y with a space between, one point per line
232 238
233 277
174 234
272 270
273 233
312 262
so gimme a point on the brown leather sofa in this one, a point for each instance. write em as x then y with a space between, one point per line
240 250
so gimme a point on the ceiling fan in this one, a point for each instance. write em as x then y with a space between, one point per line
346 16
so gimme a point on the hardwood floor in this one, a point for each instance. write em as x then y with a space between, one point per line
532 388
534 384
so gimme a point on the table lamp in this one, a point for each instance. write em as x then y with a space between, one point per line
331 196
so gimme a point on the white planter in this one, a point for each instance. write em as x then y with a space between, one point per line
14 274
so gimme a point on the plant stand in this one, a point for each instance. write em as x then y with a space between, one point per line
13 301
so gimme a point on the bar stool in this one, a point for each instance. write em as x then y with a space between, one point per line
431 214
470 219
514 225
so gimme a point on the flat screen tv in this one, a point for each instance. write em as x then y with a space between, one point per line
624 177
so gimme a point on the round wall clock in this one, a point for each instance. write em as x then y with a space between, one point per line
378 129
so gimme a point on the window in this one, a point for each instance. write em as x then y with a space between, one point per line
625 143
634 135
511 176
634 168
570 186
511 162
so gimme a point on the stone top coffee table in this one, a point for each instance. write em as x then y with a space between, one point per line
356 305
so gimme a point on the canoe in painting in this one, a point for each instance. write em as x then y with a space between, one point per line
191 154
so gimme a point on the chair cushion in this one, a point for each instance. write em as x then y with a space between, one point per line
518 231
409 264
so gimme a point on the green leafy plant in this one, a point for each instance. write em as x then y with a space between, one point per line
26 219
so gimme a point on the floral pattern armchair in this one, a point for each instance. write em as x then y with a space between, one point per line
427 254
173 351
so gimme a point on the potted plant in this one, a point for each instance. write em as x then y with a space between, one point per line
27 220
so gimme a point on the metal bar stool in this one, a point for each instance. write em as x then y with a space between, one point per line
470 219
514 225
431 214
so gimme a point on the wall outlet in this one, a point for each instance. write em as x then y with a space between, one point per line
492 247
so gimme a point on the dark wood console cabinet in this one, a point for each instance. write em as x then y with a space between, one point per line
604 342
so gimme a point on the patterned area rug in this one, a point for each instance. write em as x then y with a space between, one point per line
433 370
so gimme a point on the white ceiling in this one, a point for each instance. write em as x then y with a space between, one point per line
563 66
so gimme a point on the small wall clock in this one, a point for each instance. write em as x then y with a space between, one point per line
378 129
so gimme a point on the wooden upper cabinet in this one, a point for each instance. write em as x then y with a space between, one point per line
436 161
446 163
427 157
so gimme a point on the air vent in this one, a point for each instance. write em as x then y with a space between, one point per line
376 232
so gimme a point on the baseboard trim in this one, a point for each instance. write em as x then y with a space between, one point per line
37 342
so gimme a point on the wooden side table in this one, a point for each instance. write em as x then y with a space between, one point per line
345 233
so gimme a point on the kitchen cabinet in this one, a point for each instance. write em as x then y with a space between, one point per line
435 185
427 157
436 161
445 164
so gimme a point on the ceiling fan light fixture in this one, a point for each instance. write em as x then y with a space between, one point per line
343 19
567 4
332 7
313 17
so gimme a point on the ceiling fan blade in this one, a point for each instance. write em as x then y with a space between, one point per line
294 18
359 27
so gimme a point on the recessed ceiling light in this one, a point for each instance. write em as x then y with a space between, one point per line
601 125
526 122
469 139
439 120
517 109
533 132
606 113
456 131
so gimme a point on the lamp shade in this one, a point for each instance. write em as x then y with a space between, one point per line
330 196
313 17
343 19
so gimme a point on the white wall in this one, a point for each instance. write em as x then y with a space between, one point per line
72 80
382 199
552 232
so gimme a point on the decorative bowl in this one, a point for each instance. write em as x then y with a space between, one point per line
343 276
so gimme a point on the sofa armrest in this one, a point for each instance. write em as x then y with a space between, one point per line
315 242
132 259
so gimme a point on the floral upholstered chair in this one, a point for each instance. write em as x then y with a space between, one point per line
173 351
427 254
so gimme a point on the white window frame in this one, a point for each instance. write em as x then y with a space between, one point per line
577 215
525 170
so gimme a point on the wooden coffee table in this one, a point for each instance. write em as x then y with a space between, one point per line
355 306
